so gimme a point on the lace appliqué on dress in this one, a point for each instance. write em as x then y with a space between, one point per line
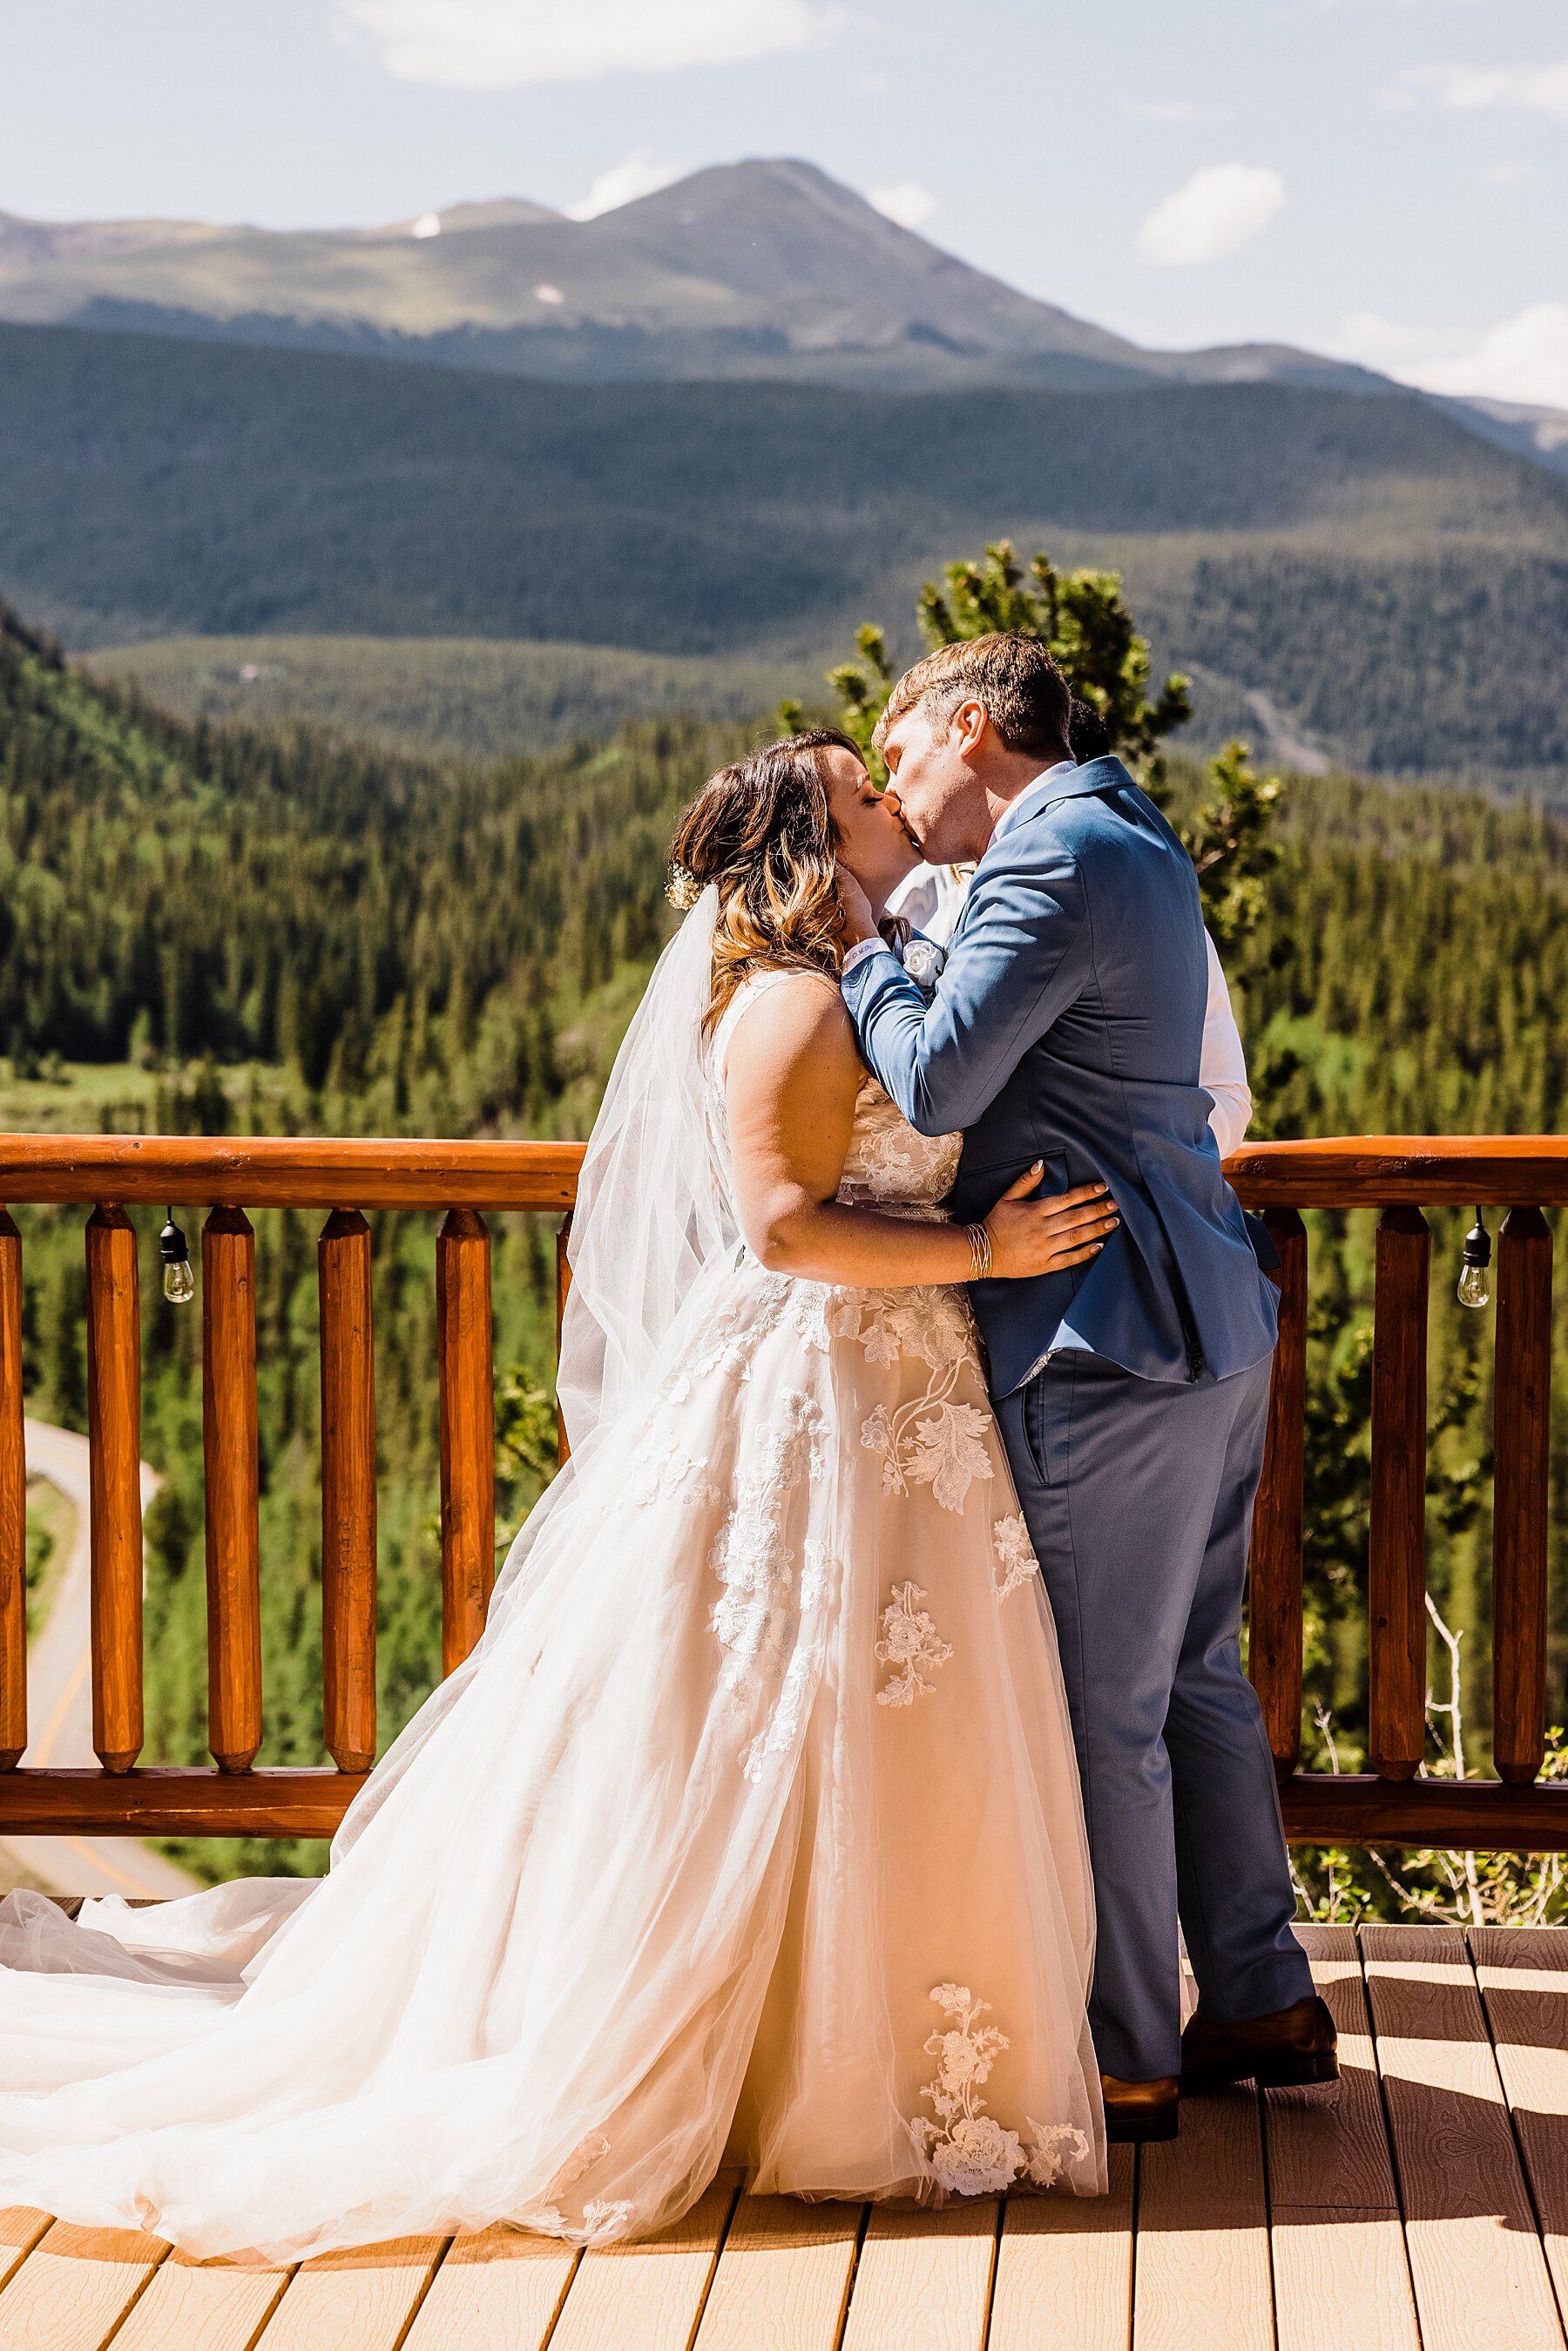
933 1324
605 2219
601 2217
1015 1556
672 1476
818 1579
928 1440
946 1450
888 1160
910 1642
757 1616
750 1556
967 2151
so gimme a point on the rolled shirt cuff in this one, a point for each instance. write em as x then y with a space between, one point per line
864 948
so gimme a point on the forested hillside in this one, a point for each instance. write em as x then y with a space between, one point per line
482 696
237 932
1399 586
230 929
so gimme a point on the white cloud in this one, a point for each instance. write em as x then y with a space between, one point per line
1386 343
1220 208
908 204
510 44
637 175
1506 174
1524 359
1531 89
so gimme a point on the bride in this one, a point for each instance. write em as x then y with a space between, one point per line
751 1825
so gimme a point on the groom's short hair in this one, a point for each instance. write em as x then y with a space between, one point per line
1029 701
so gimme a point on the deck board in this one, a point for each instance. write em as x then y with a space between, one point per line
202 2306
498 2290
361 2300
1433 2185
21 2226
648 2296
1065 2268
1476 2262
783 2280
1202 2280
924 2279
1523 1978
74 2286
1341 2280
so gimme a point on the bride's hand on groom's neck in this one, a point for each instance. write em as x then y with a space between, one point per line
860 918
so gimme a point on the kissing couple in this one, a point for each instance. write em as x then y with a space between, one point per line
859 1728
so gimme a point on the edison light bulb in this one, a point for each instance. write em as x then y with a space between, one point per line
1474 1288
179 1281
1473 1291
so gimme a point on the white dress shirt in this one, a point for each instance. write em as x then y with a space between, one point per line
932 898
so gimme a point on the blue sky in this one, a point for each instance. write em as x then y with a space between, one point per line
1387 179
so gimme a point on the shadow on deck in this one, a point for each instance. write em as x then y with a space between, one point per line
1424 2204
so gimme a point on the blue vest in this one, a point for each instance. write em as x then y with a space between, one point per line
1068 1026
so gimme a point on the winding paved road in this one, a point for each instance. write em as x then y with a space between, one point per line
59 1698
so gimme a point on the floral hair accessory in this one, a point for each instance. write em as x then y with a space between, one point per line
683 889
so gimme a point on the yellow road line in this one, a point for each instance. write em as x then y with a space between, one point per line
93 1852
95 1855
62 1704
62 1708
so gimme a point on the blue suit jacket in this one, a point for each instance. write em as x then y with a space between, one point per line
1068 1026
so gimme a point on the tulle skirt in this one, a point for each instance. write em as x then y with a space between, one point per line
750 1827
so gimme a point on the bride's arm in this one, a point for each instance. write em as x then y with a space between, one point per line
791 1082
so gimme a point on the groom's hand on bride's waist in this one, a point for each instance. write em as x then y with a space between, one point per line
1031 1236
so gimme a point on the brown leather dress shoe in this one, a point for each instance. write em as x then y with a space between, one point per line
1135 2111
1293 2046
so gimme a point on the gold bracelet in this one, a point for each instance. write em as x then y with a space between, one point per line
980 1251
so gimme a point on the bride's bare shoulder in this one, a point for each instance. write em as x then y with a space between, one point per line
787 1018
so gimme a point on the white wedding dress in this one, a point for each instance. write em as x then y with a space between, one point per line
752 1826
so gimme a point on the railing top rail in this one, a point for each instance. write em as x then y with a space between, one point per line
1418 1171
287 1172
324 1172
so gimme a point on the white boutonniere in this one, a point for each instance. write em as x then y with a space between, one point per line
925 962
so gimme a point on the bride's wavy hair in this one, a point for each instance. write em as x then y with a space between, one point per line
763 832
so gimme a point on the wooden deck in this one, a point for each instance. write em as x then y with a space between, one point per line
1425 2204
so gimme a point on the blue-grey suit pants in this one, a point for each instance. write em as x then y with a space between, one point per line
1138 1497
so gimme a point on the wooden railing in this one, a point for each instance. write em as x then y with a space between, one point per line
461 1180
1397 1177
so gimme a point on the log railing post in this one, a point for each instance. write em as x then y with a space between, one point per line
563 1289
1275 1570
12 1505
348 1492
467 1430
114 1485
1397 1568
1522 1437
229 1448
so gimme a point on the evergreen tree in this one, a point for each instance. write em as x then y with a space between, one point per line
1085 621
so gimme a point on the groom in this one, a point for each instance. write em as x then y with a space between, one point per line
1132 1391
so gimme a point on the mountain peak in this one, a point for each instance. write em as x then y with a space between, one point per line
766 266
492 212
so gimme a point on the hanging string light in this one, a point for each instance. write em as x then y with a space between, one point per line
1475 1287
178 1281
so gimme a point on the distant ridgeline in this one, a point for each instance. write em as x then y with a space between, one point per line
289 931
1396 586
